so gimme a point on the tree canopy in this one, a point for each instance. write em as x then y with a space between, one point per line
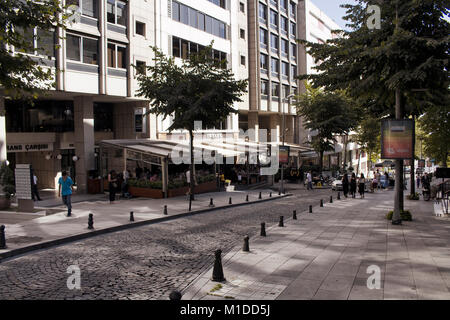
20 74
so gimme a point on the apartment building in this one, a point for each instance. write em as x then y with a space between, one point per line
94 98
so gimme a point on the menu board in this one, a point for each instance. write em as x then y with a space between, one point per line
23 181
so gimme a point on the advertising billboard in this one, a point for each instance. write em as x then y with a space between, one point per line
397 139
284 154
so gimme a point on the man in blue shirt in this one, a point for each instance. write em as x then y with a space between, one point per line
65 188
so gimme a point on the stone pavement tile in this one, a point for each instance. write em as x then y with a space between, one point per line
337 283
300 289
330 295
342 268
278 279
361 292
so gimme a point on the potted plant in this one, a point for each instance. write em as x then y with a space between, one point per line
7 188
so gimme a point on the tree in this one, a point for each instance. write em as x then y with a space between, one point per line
328 113
199 89
20 74
384 67
435 124
368 137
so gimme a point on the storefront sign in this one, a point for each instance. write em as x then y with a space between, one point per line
284 154
23 181
397 139
22 147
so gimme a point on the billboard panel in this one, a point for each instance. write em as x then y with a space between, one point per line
397 139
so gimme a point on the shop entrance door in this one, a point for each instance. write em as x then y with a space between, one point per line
67 163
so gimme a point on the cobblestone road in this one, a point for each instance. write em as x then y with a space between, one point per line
146 262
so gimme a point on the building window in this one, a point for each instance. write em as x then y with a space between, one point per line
264 61
293 71
141 67
284 5
140 28
285 69
263 37
286 91
88 7
265 87
42 42
292 9
176 49
242 33
220 3
242 7
275 89
275 66
103 117
82 49
262 12
284 25
293 51
182 49
273 18
116 12
274 3
274 42
293 30
284 47
243 60
198 20
117 56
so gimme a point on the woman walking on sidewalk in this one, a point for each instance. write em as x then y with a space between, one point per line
345 184
353 185
112 185
362 185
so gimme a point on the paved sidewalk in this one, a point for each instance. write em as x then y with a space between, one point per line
325 255
33 234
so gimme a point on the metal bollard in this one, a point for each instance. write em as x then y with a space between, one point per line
310 209
270 195
246 198
321 202
218 270
263 229
246 247
91 221
339 196
294 216
281 223
260 196
175 295
211 203
131 216
165 210
229 201
2 237
331 199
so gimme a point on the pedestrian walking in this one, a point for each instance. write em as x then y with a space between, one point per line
362 185
353 185
345 184
418 181
112 185
34 189
309 181
65 189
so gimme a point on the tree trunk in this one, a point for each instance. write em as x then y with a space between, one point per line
345 151
359 162
191 166
398 198
412 176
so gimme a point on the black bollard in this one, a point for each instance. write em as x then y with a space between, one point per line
281 223
294 216
260 196
246 247
2 237
246 198
270 195
131 216
175 295
263 229
165 209
339 196
310 209
331 199
229 201
211 203
321 202
218 270
91 221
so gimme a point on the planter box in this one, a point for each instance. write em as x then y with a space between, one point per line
94 186
210 186
145 192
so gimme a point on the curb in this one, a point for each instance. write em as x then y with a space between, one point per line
52 243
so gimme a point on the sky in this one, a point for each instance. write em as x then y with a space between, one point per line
332 9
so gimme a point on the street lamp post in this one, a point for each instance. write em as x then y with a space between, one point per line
288 98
